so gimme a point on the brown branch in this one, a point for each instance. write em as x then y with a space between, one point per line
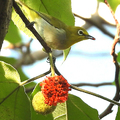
111 11
116 39
30 27
116 97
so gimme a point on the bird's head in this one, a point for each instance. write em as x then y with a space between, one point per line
77 34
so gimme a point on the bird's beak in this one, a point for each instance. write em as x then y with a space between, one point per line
89 37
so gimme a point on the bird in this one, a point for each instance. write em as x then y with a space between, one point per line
53 31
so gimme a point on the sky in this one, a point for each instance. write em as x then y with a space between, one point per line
85 62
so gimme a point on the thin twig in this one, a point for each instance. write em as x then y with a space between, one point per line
116 97
34 78
111 11
93 85
116 39
94 94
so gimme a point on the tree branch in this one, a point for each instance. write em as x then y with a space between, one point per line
5 17
116 97
34 78
94 94
93 85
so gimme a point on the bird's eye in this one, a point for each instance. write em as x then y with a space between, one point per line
80 32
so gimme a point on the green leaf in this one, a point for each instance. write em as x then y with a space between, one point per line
23 77
113 3
9 60
60 9
8 73
75 109
118 114
14 104
13 35
66 52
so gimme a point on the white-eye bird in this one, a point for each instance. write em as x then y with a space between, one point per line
54 32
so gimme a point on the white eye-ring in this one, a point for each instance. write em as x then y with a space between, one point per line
80 32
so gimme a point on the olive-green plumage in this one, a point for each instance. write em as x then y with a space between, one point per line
54 32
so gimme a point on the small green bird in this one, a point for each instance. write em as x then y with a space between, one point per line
54 32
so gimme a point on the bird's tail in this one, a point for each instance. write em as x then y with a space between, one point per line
32 14
28 12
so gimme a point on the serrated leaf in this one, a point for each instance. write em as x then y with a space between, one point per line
13 35
113 3
66 52
14 104
118 114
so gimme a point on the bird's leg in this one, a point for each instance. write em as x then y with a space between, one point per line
51 60
31 24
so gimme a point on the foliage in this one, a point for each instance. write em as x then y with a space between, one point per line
65 111
14 102
118 114
19 108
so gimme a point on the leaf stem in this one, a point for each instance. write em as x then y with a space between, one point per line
34 78
51 63
94 94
